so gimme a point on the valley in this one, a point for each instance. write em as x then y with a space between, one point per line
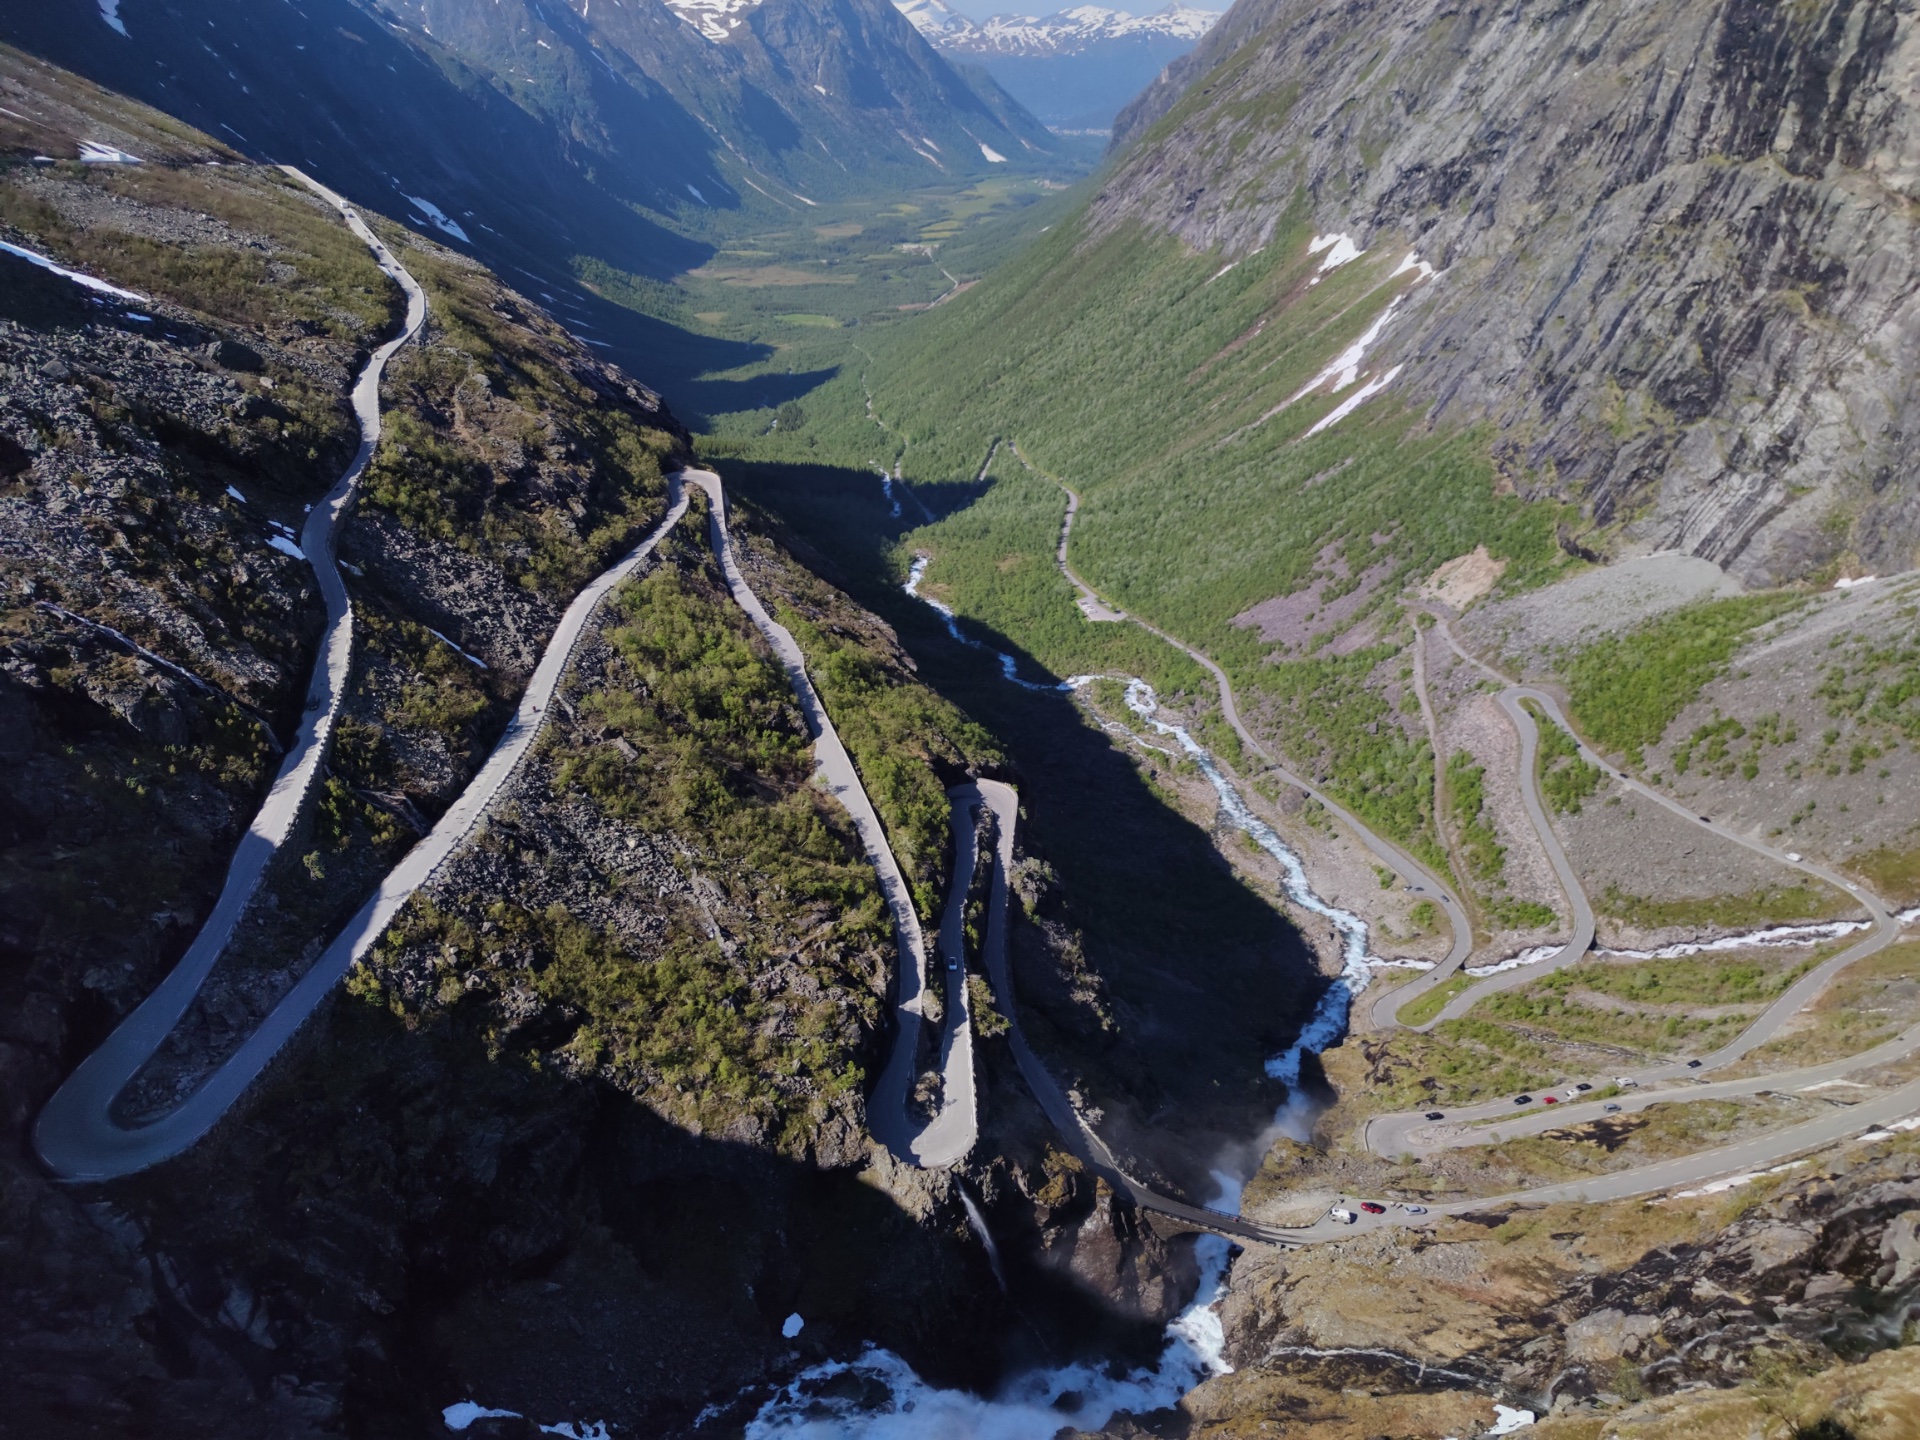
861 773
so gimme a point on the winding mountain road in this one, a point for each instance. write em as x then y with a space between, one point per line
74 1134
1004 802
1411 1133
1416 876
1386 1010
946 1139
1393 1135
77 1134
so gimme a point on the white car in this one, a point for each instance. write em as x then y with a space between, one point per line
1414 1209
1625 1081
1344 1216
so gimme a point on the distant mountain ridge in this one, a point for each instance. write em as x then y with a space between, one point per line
1075 68
1066 32
547 132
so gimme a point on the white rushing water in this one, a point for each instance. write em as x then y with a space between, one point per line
1009 668
1328 1023
897 1404
978 1224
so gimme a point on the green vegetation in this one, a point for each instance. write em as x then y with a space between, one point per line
690 734
1893 873
1551 1009
988 1022
1871 1001
1473 828
1693 980
900 734
1625 690
317 274
1330 715
1617 1142
1775 904
523 411
1485 856
1457 1063
1423 1008
1876 686
1176 433
1565 779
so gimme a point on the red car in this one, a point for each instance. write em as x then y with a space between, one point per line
1372 1209
1549 1099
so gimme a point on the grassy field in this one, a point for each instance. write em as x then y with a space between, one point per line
1155 384
1565 779
1776 904
1627 689
1870 1002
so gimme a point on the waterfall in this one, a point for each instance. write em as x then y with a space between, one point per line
979 1224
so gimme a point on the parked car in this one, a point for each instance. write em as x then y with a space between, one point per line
1344 1217
1436 1114
1523 1099
1625 1082
1611 1108
1414 1209
1373 1207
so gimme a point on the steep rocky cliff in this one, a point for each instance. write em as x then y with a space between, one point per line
589 1125
1693 1316
1678 242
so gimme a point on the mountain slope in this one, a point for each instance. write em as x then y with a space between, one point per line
1680 260
669 990
540 134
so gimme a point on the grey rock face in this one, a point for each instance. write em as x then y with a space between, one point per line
1679 242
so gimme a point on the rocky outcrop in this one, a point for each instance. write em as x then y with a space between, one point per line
1580 1311
1681 266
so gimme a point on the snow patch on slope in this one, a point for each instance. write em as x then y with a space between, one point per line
437 217
34 257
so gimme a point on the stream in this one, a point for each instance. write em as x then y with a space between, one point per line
1328 1023
879 1397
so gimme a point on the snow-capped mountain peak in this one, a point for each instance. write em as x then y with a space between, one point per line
1064 32
715 19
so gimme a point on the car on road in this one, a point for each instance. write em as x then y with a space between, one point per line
1583 1087
1414 1209
1693 1064
1706 820
1344 1217
1523 1099
1625 1081
1794 856
1373 1207
1436 1114
1611 1108
1549 1099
